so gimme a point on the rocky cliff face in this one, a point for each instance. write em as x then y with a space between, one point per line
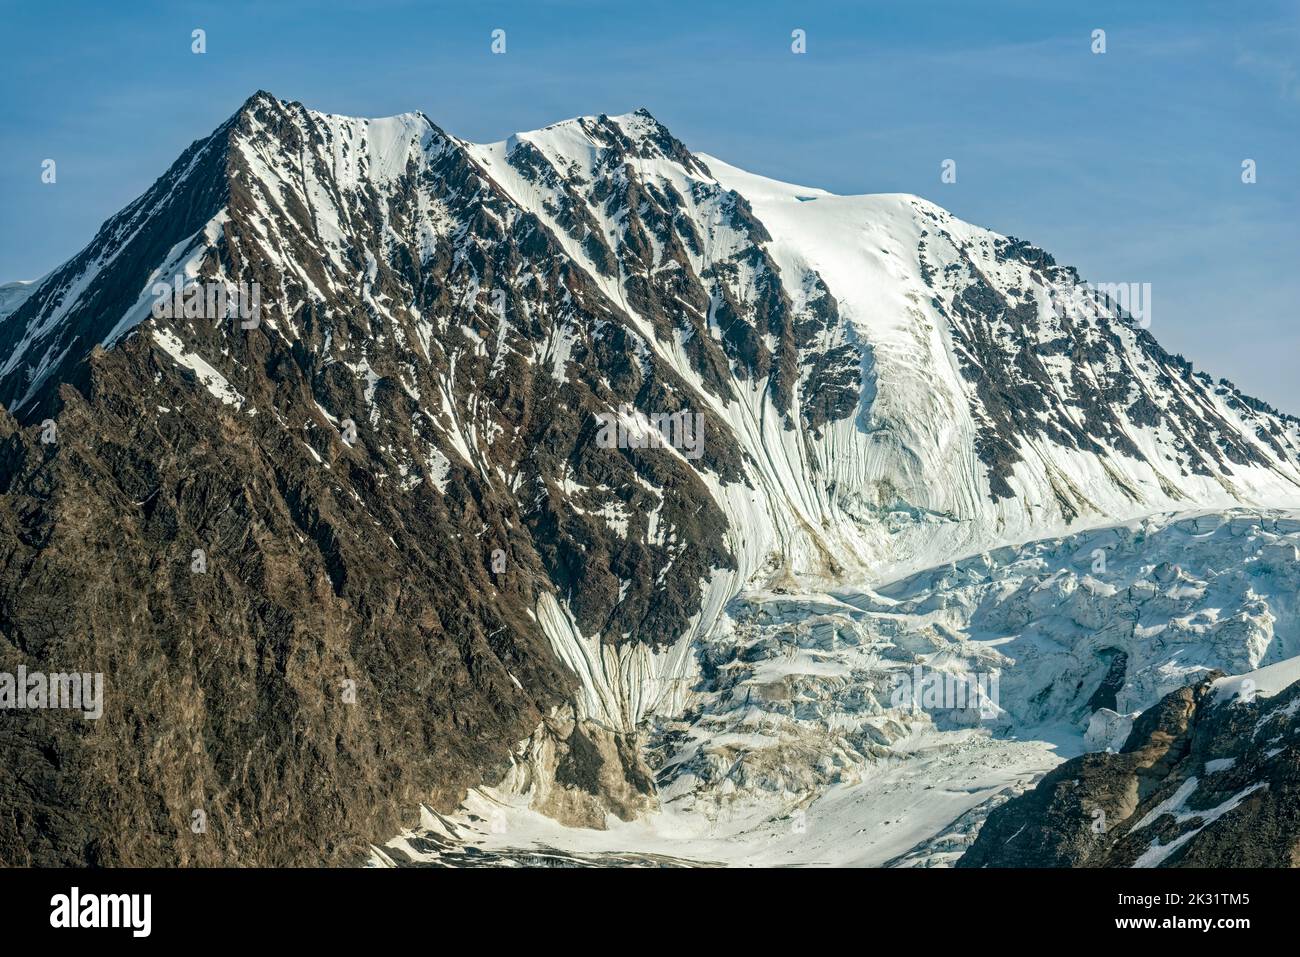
1209 777
345 554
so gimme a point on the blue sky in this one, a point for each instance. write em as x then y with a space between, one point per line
1126 164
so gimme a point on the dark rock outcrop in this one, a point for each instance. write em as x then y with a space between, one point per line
1201 782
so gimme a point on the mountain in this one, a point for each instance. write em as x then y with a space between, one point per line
369 544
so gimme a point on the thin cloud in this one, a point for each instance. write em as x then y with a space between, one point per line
1279 71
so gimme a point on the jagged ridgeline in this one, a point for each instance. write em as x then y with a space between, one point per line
341 536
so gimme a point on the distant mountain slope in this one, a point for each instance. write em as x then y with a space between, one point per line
14 294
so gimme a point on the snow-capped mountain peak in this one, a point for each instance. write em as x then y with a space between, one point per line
448 331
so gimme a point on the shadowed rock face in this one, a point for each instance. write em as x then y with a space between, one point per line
224 690
1200 782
